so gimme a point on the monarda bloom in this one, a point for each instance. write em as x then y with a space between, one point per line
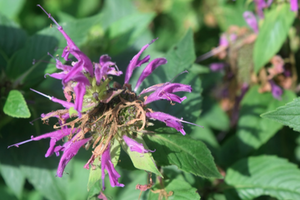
104 116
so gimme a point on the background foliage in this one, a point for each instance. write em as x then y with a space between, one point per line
244 150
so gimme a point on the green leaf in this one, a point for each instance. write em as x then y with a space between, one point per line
228 15
120 9
11 38
176 18
11 172
143 161
288 114
272 34
213 115
77 177
15 105
6 193
11 8
206 135
41 171
136 21
180 190
188 154
264 175
252 130
126 30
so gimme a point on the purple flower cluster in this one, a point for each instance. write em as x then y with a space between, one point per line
84 77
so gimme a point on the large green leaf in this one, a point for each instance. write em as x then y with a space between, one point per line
77 177
288 114
186 153
11 172
115 10
264 175
178 189
272 34
252 130
15 105
126 30
11 39
41 171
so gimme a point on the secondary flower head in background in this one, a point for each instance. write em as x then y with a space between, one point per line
101 115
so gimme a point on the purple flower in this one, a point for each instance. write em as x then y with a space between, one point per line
260 5
276 90
135 62
135 146
251 21
165 92
217 66
169 120
107 165
70 149
294 5
224 42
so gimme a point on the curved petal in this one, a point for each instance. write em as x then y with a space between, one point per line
149 69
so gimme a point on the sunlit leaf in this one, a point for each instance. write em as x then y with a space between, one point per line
288 114
264 175
186 153
15 105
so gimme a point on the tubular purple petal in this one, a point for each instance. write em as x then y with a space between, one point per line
70 149
276 90
63 103
135 146
149 69
76 70
165 92
107 165
97 73
54 137
169 120
217 66
223 41
82 79
103 59
79 90
59 75
260 5
251 21
135 62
